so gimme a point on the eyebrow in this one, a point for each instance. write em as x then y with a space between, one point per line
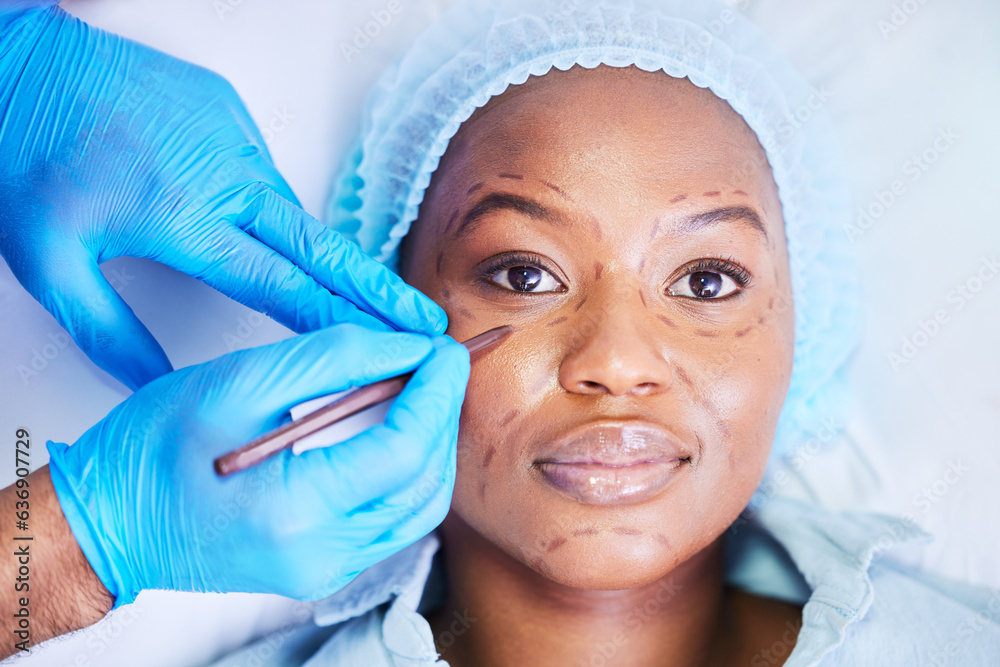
740 214
504 201
498 201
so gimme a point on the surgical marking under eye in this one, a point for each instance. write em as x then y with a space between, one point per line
439 260
744 331
509 418
705 333
642 298
580 305
713 193
682 374
598 268
558 320
666 320
489 456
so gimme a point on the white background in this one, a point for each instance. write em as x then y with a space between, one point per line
890 94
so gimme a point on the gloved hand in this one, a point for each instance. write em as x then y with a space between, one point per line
143 501
109 148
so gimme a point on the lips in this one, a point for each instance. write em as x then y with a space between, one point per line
613 463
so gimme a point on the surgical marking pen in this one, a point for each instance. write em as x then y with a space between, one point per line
362 398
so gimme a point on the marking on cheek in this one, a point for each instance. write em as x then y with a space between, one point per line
666 320
743 332
451 221
678 198
580 305
439 260
770 304
701 446
558 320
627 531
740 192
713 193
662 539
760 320
482 492
445 294
541 384
508 419
705 333
682 374
513 177
642 264
656 228
598 234
585 531
489 456
474 189
598 268
556 543
557 190
642 298
465 312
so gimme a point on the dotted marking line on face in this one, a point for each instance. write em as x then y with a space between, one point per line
475 188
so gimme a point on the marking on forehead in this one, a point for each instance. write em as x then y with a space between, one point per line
509 418
489 456
705 333
558 320
580 305
678 198
557 190
666 320
621 530
585 531
682 374
656 228
744 332
740 192
596 226
451 221
598 268
439 260
513 177
642 298
556 543
713 193
474 188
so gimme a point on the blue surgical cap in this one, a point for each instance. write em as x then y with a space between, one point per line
478 49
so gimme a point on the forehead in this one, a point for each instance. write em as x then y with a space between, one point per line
646 129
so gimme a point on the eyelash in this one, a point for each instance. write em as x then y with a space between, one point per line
509 260
727 265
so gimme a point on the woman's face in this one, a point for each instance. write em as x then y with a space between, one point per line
627 225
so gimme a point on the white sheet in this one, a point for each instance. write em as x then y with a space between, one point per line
891 95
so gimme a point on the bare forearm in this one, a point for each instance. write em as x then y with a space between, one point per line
47 587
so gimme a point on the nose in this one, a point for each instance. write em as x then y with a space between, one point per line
614 352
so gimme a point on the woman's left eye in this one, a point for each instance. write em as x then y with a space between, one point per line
525 279
704 285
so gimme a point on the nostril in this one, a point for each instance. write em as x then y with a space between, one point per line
593 386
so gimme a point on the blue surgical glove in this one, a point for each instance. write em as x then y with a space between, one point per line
143 500
109 148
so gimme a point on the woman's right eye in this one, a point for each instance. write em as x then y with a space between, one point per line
525 279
